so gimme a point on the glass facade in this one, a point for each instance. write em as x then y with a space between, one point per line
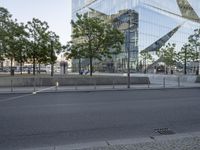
154 23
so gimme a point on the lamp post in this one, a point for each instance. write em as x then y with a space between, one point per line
126 18
196 47
199 61
185 59
198 44
52 65
128 48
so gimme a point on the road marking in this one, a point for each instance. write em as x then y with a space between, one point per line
44 89
22 96
16 97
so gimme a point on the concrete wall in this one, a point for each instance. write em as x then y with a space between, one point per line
198 79
172 78
67 81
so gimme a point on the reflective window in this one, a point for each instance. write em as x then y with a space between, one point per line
158 23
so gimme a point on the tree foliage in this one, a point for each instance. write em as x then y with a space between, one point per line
169 54
185 55
31 42
38 39
5 18
145 56
194 41
94 39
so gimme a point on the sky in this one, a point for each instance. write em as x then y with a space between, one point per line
56 12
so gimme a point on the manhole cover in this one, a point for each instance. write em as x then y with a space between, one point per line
164 131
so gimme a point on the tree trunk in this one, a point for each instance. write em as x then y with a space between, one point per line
21 68
39 67
52 69
79 65
193 66
185 62
91 67
2 64
166 69
185 67
33 66
11 65
64 68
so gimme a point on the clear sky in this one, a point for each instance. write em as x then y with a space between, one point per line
56 12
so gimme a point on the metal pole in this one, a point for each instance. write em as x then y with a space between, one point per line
196 57
185 62
113 84
196 47
129 40
52 64
95 84
179 82
76 86
34 89
11 85
199 60
164 82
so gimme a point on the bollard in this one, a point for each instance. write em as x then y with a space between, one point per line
164 82
57 84
75 84
34 85
148 84
11 88
179 85
95 84
113 84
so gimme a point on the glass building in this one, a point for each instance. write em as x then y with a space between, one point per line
147 25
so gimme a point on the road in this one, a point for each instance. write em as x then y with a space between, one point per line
76 117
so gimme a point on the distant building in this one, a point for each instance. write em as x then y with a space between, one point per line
153 23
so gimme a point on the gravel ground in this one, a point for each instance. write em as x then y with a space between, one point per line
188 143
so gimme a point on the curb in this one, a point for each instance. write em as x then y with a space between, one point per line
100 90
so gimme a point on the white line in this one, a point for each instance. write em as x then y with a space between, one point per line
14 98
43 89
22 96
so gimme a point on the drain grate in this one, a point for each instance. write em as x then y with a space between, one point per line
164 131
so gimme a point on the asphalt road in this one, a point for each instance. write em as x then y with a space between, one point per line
77 117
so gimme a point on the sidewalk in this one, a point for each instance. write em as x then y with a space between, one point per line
183 143
188 141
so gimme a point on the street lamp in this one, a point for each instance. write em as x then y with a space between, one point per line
126 18
52 65
196 48
128 48
197 32
199 60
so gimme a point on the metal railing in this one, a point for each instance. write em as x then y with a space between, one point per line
37 86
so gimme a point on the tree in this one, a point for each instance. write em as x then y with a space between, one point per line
55 48
145 56
184 56
5 18
194 41
94 39
169 54
75 51
15 43
21 46
38 38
